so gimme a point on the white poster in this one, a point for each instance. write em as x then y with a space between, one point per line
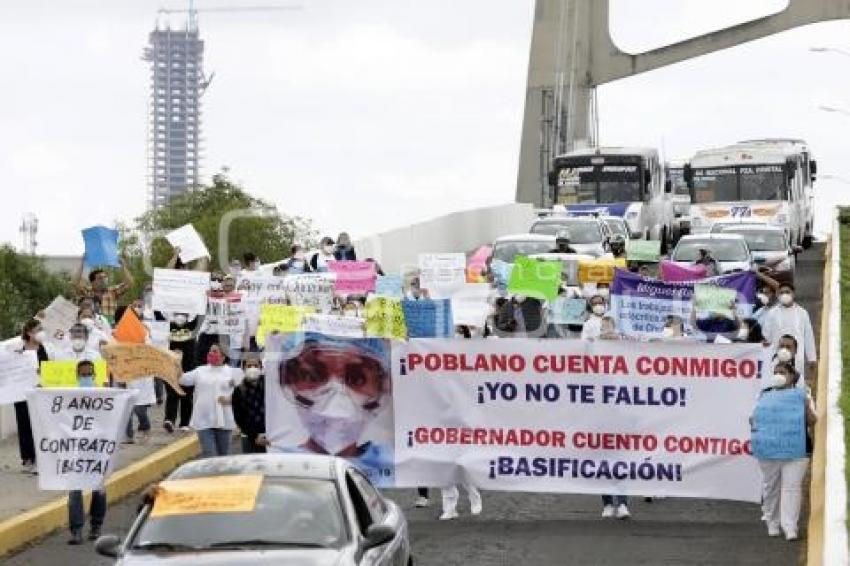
191 245
311 290
334 325
226 315
442 274
59 316
569 416
470 306
17 376
77 433
180 291
159 332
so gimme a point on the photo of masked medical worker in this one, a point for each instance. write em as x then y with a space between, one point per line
332 396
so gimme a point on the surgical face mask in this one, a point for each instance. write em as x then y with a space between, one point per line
180 319
252 373
215 285
787 299
85 380
87 322
784 355
763 298
668 333
328 249
778 380
335 421
40 336
598 309
743 333
78 344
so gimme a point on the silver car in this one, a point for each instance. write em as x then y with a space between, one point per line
588 234
310 510
729 250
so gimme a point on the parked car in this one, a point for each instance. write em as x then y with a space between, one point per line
310 509
769 248
588 234
506 248
729 250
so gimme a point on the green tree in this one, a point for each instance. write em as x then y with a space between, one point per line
26 287
260 227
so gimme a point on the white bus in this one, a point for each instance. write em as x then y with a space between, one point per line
616 181
764 181
674 172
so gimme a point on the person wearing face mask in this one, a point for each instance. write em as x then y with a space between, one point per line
705 259
223 289
717 327
297 262
100 322
97 508
337 387
783 478
786 353
181 341
673 328
249 407
790 318
593 325
344 251
96 336
212 413
98 289
319 259
79 345
32 345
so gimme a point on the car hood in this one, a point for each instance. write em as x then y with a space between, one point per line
725 266
251 557
770 256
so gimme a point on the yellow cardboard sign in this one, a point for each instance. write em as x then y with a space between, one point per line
214 494
599 270
64 373
385 318
283 318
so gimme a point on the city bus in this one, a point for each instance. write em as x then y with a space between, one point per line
674 172
768 181
616 181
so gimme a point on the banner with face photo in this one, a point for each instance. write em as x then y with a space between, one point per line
332 395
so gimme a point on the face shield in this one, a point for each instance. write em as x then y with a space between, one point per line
336 386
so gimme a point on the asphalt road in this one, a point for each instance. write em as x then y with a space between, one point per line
558 530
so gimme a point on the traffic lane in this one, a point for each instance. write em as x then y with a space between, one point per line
519 528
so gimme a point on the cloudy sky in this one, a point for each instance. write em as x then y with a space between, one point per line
369 114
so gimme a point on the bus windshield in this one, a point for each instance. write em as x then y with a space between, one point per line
729 184
599 184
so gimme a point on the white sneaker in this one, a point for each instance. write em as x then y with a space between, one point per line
422 502
475 503
773 531
449 515
623 511
608 512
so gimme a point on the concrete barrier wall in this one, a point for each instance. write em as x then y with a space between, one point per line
457 232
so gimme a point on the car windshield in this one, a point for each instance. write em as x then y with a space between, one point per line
758 182
761 240
581 231
507 251
617 227
721 250
599 184
288 512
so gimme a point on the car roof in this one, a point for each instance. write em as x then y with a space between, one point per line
307 466
525 238
709 237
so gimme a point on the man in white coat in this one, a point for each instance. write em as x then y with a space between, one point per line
788 317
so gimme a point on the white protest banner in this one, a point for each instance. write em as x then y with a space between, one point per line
571 416
178 290
226 315
333 325
191 245
59 316
442 274
77 433
311 290
17 376
470 306
159 332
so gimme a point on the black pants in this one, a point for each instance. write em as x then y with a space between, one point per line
26 445
173 402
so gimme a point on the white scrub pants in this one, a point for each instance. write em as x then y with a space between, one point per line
783 492
452 494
